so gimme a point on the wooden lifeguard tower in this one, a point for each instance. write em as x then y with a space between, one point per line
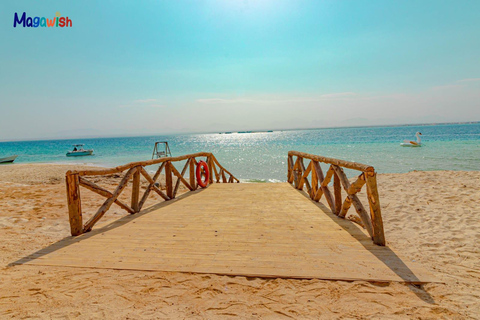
160 151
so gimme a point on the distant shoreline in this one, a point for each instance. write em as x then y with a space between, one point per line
245 131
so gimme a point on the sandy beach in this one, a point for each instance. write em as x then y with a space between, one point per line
430 217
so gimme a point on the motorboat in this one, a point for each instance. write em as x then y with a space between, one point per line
8 159
79 151
409 143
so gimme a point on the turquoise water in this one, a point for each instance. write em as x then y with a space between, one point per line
263 156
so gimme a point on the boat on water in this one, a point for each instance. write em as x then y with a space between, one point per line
409 143
78 151
8 159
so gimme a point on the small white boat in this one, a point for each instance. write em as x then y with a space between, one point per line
78 151
8 159
409 143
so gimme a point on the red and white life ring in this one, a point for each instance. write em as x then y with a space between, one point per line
206 174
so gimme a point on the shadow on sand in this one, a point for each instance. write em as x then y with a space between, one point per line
68 241
384 254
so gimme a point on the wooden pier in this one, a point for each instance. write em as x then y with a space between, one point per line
245 229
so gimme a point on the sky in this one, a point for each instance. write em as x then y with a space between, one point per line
129 68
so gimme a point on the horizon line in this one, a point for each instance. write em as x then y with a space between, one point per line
250 131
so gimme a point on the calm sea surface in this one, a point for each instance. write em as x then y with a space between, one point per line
263 156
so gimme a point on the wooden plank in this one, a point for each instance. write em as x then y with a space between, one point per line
314 182
106 205
323 185
119 169
193 181
221 167
181 178
210 168
102 172
103 192
290 169
338 162
346 205
357 204
328 176
224 178
169 180
158 172
375 212
136 190
144 197
270 230
337 191
357 185
295 172
319 174
217 176
363 214
74 204
151 186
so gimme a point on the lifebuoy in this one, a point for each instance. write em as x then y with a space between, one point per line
202 165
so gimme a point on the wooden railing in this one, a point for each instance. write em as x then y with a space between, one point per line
135 170
298 175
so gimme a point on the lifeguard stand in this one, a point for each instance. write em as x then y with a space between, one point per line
160 151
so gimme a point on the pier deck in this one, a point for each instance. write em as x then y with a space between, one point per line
266 230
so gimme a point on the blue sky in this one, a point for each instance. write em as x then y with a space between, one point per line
144 67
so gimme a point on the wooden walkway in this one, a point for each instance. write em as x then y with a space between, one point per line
266 230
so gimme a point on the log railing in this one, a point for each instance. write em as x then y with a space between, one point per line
134 171
317 186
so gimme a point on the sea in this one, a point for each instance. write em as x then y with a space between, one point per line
262 156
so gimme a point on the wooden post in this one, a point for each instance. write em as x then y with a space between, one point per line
193 181
296 170
168 179
375 212
290 168
314 182
210 168
217 176
74 204
324 185
224 178
337 190
136 190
